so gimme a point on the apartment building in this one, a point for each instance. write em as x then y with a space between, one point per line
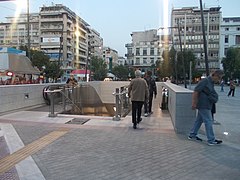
230 34
14 32
188 19
110 56
95 43
144 50
56 30
63 36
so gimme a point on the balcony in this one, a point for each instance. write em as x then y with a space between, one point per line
129 45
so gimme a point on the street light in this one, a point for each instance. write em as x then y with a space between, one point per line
89 53
204 40
180 43
28 29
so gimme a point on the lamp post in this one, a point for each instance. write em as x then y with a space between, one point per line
28 29
204 40
180 43
183 61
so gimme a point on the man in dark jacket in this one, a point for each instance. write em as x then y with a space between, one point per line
152 90
204 96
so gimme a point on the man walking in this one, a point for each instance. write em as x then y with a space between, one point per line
138 92
204 96
152 90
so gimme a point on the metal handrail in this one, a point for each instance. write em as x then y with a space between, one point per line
122 102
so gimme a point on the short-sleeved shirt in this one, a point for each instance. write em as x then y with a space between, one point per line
203 100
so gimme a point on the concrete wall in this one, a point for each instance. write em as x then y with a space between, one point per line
13 97
105 89
180 107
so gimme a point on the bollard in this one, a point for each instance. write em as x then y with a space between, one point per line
164 104
51 108
64 98
117 116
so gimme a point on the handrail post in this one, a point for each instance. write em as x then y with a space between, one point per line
51 108
117 116
64 98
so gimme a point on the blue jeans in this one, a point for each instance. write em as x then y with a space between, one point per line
203 116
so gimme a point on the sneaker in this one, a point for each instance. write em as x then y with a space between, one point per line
215 142
146 114
194 138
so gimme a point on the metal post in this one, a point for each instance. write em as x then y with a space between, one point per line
86 69
51 108
183 61
117 115
28 30
190 75
60 47
64 98
204 40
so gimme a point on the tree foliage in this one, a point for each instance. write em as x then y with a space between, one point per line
39 59
98 68
53 71
121 72
173 64
42 62
231 63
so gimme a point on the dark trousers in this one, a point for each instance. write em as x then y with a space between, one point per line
232 91
148 104
136 111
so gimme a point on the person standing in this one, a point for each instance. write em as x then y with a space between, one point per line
222 85
204 96
152 90
138 92
232 88
71 82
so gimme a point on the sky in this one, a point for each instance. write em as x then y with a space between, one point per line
115 20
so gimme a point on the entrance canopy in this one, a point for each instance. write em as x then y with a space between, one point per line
18 64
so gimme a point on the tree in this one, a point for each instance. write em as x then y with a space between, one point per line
121 72
39 59
98 68
53 71
231 63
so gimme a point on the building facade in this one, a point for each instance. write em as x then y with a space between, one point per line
230 34
110 56
59 32
13 32
144 50
187 22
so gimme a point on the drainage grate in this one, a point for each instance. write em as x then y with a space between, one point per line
78 121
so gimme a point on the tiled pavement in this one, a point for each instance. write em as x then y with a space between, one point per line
109 150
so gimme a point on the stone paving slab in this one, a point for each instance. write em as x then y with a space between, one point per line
106 149
124 153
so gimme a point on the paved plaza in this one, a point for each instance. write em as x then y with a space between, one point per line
34 146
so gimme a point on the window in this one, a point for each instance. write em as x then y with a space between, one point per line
237 39
238 28
225 51
226 29
152 60
137 61
152 51
226 39
144 60
144 52
137 52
